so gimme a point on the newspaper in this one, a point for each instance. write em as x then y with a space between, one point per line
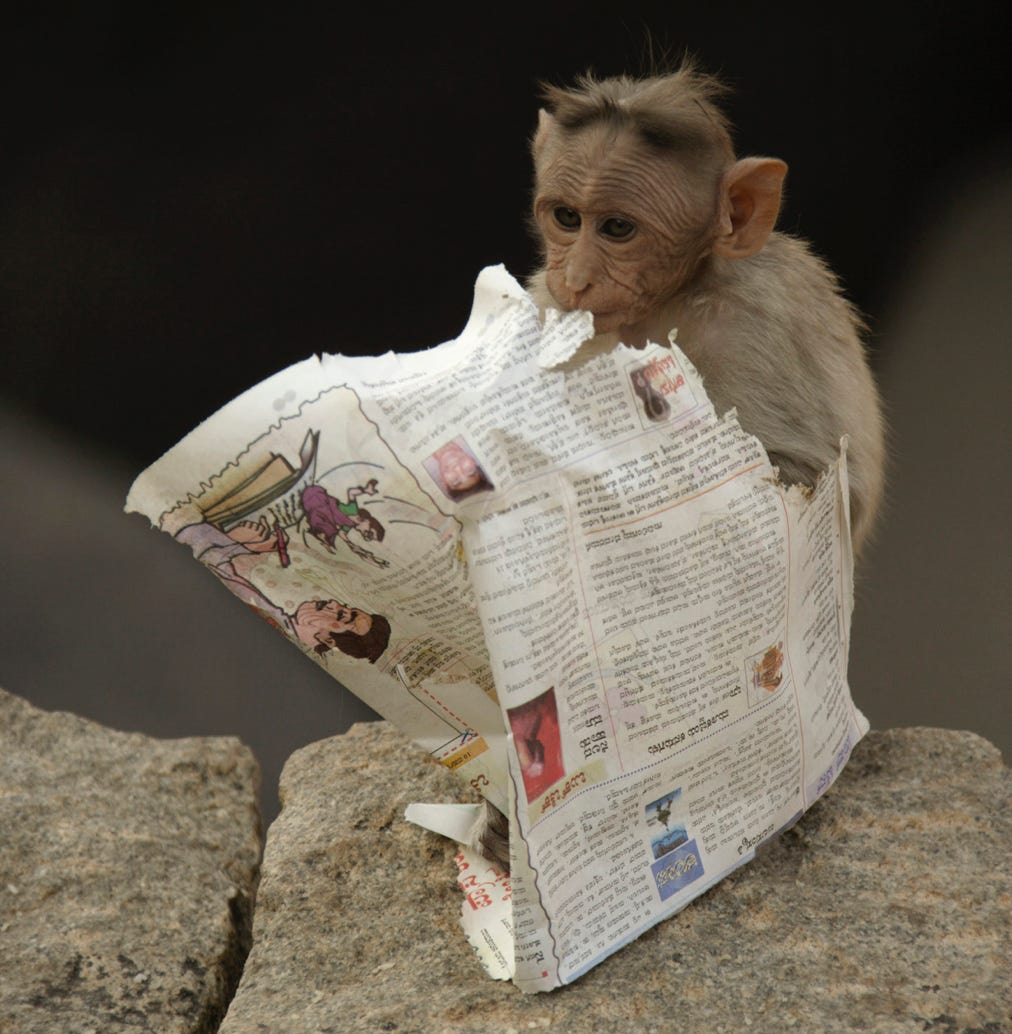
565 577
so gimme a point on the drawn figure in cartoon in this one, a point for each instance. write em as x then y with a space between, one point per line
321 625
768 672
282 493
330 519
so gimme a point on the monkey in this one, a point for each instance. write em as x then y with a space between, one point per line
648 220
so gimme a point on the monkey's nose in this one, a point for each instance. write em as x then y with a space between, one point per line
579 275
578 282
578 298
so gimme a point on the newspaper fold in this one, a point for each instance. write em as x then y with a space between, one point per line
565 577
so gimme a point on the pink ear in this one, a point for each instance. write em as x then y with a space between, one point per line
750 202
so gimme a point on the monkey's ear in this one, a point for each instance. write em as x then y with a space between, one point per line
546 126
749 204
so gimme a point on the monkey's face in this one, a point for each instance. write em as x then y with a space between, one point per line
619 232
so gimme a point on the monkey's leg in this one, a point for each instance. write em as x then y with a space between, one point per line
798 472
794 471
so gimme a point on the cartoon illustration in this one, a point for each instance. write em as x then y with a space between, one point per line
283 496
330 519
270 491
455 470
538 745
660 812
321 625
295 537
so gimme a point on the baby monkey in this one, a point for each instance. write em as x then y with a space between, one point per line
647 220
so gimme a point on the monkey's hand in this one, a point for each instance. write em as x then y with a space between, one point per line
491 836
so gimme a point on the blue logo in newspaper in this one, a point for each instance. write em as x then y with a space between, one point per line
677 869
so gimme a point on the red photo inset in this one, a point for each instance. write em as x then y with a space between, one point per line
535 728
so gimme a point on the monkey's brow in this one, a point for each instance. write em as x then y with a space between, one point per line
602 109
702 107
657 131
662 135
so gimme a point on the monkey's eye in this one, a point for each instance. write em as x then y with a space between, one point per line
567 218
617 229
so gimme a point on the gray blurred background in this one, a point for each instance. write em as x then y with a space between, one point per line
190 206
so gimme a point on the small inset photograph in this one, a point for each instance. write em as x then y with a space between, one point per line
535 727
456 470
661 389
655 405
764 673
667 830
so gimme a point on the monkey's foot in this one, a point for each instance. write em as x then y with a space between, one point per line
491 836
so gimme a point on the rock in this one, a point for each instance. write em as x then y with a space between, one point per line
128 867
885 909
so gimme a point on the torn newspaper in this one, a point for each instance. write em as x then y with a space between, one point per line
565 577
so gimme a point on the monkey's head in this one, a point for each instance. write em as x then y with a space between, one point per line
636 185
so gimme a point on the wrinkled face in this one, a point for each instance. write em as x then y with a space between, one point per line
620 228
316 620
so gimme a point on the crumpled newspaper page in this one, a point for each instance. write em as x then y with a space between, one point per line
565 577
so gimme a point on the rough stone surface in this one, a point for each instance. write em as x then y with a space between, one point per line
887 908
127 871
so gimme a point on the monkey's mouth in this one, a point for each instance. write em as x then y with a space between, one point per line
606 321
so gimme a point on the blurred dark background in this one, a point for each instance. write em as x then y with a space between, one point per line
194 197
